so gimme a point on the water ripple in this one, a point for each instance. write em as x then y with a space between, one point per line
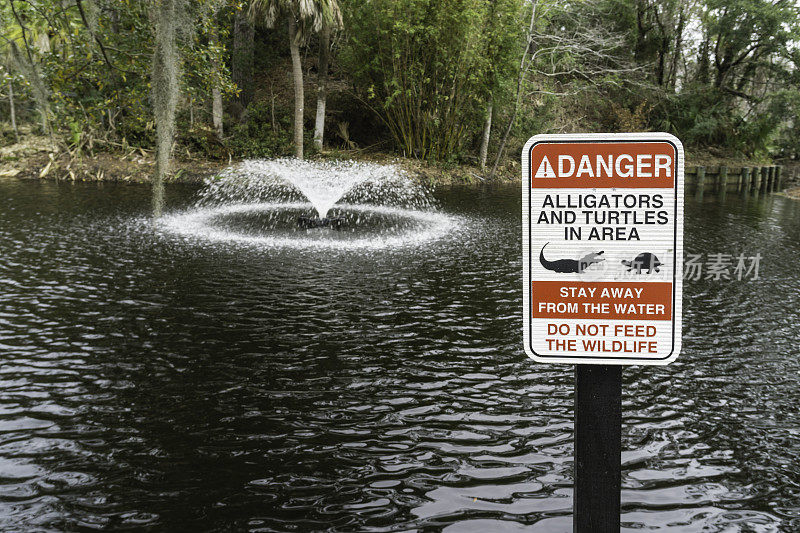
154 381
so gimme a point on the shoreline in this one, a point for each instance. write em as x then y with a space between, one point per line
35 159
793 193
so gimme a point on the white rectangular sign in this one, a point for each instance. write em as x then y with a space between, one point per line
602 218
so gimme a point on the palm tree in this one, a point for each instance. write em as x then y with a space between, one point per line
302 16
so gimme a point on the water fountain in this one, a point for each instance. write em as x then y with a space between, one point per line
291 203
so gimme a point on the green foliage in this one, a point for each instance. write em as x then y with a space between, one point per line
785 137
414 75
427 67
257 137
502 39
88 62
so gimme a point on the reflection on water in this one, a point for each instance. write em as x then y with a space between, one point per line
154 381
275 225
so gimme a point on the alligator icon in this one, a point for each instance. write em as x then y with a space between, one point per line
643 261
567 266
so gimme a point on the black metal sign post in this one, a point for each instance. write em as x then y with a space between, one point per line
598 434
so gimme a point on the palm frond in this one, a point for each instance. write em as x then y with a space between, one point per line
267 11
331 13
308 13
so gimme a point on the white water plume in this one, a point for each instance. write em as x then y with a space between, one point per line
323 184
259 203
203 224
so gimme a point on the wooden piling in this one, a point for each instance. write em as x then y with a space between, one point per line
745 179
701 182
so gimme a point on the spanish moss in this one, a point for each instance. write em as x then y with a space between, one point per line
165 75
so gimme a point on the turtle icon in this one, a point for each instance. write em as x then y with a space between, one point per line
643 261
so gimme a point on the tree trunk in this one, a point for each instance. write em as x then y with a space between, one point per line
703 61
322 82
12 110
216 111
272 108
114 21
242 57
216 93
520 81
297 78
639 52
661 63
676 54
487 131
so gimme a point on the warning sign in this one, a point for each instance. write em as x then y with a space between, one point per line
602 218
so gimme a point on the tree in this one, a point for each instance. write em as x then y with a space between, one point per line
12 108
331 21
657 28
738 91
501 31
27 44
433 78
214 51
745 34
242 56
529 41
571 48
301 16
417 65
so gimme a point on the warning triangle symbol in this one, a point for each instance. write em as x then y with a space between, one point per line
545 169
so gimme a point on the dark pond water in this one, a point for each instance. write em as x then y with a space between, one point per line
152 382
